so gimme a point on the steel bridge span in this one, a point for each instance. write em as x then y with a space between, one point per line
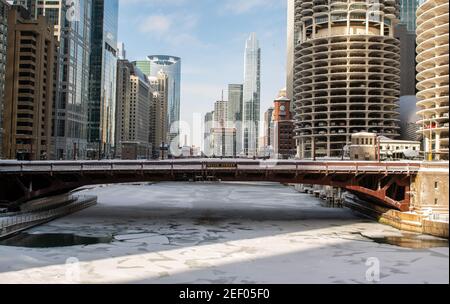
387 183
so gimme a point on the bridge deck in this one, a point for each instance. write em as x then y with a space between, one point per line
386 182
14 167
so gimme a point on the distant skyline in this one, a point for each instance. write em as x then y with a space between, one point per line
209 36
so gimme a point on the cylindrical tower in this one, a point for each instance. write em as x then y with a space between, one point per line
347 73
432 68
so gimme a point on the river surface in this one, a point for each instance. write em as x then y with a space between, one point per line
218 233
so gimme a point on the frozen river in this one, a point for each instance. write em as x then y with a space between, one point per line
219 233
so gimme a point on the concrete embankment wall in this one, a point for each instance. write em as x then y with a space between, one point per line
405 221
13 223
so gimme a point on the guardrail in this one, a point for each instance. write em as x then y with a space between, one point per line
15 221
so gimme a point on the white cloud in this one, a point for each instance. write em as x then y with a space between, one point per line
158 24
174 29
154 2
240 7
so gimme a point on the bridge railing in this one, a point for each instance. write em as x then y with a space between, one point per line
16 219
212 165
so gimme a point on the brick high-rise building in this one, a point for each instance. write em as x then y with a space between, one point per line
30 86
283 140
4 9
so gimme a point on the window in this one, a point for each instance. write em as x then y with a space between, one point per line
436 185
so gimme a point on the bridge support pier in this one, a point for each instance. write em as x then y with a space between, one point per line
430 190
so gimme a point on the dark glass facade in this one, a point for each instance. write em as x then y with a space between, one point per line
102 92
408 14
71 116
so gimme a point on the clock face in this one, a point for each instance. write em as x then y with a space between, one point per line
282 108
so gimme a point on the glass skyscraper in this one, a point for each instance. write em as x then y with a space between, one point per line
71 116
408 14
171 66
235 92
103 70
251 96
405 32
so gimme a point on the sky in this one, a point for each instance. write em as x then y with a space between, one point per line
209 36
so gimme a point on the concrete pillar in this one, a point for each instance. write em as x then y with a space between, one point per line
437 146
426 143
302 148
437 138
328 146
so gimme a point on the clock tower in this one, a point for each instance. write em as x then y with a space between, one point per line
283 128
282 109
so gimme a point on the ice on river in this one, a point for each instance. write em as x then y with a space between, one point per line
219 233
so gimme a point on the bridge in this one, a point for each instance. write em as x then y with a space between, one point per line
387 183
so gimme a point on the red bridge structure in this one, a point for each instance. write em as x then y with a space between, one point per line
387 183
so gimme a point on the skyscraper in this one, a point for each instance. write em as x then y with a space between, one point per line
432 69
235 92
124 69
347 73
4 9
133 112
171 66
220 113
408 9
251 96
158 114
266 142
72 26
291 38
121 51
30 86
102 80
406 34
235 96
207 138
